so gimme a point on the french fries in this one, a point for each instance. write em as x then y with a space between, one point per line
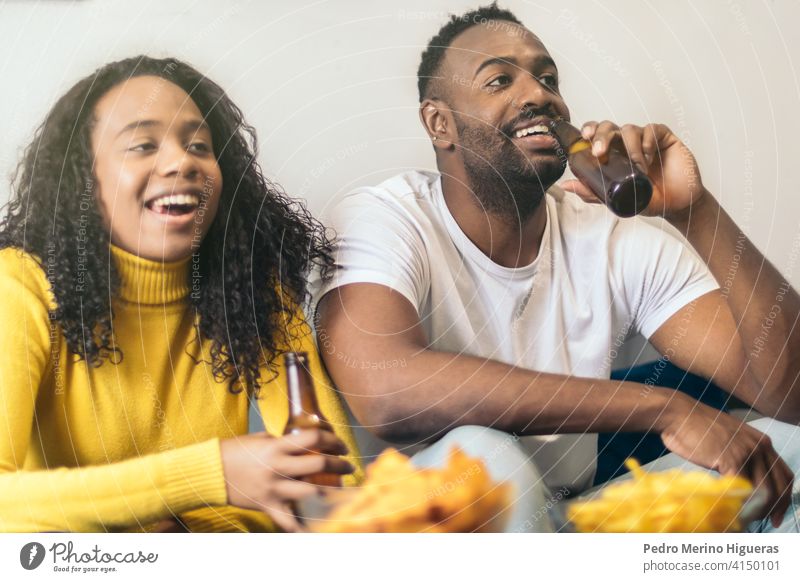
397 497
669 501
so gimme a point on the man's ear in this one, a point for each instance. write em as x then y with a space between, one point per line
437 118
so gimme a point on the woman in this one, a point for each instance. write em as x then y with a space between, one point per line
150 279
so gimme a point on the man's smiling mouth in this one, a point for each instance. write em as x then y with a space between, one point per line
533 134
536 137
538 129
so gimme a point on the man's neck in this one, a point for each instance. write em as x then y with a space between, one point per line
507 242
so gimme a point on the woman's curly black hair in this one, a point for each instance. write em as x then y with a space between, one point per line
253 263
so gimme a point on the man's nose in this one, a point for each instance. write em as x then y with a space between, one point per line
174 160
534 95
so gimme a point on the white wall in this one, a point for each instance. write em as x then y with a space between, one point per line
331 87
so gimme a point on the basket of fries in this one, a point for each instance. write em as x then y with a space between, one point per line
668 501
398 497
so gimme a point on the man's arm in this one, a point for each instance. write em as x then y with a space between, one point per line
365 325
762 307
703 338
765 353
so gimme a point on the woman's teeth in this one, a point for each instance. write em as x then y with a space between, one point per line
534 129
175 204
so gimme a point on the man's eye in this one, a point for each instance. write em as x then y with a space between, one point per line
500 81
550 81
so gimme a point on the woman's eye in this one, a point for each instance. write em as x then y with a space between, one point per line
199 146
500 81
142 147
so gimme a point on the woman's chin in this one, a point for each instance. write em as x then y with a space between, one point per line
174 252
168 251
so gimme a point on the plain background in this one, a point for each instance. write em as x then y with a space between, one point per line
331 85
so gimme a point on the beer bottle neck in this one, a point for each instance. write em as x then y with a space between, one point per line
567 135
300 386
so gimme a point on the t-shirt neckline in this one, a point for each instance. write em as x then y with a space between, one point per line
476 255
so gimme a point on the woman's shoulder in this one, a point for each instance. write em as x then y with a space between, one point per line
21 267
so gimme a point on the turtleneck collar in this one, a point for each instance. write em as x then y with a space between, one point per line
150 282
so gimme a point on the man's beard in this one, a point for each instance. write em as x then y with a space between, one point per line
505 182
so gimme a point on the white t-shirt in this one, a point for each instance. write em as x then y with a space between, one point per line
596 280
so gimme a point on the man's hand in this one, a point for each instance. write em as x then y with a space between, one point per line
718 441
658 152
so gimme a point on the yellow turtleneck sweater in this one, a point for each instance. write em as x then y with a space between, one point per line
120 447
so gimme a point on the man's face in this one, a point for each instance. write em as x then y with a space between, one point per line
501 84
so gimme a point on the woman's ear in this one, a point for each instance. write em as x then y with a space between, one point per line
438 121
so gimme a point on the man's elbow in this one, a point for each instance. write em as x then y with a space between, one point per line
407 428
788 411
790 418
787 405
393 417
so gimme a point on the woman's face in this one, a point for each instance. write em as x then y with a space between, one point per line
159 183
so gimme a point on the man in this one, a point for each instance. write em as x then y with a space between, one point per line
487 296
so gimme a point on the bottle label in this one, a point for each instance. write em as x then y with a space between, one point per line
579 146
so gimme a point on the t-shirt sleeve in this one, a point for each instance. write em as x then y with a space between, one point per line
656 272
376 242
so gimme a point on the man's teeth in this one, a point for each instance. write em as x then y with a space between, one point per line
178 200
534 129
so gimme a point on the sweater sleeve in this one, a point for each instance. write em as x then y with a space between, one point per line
117 496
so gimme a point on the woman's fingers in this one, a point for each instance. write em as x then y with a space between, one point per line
302 465
291 489
312 440
283 515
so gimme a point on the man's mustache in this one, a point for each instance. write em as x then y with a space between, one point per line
526 115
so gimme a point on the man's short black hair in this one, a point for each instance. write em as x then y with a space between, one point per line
435 51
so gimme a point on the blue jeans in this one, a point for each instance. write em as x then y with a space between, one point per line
537 509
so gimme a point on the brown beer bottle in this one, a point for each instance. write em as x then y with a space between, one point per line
613 178
304 410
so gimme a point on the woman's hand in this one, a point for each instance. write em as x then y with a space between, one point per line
264 472
659 153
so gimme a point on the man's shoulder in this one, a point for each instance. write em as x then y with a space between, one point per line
408 189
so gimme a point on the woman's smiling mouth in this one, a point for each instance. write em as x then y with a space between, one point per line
175 209
177 204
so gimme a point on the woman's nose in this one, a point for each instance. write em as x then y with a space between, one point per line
173 159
